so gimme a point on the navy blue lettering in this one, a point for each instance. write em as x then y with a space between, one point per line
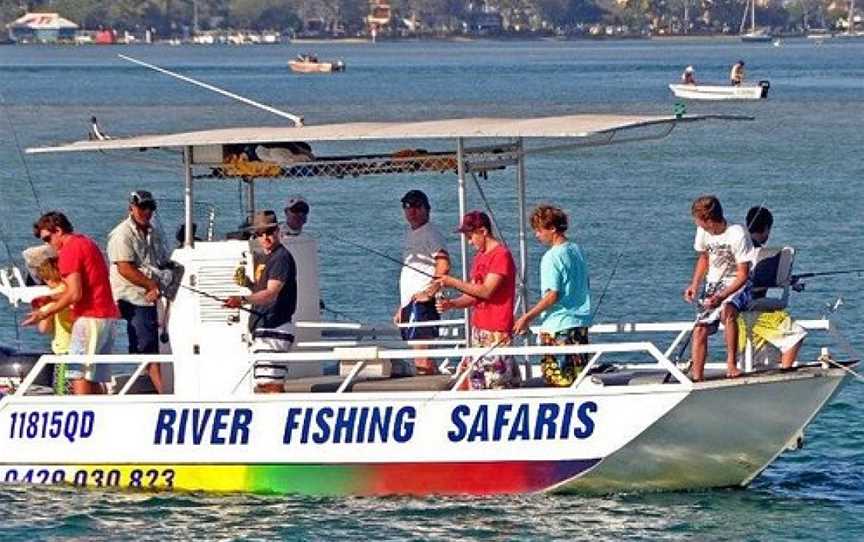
378 425
87 419
565 423
290 424
323 433
199 425
344 423
240 426
219 424
501 421
585 418
546 415
403 428
307 423
164 425
520 427
361 424
181 427
458 433
480 427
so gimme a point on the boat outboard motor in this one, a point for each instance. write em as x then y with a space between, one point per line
765 86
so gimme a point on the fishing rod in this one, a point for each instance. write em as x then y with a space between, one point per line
795 280
385 256
220 299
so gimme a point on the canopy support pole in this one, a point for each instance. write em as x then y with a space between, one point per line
463 240
250 198
523 221
188 238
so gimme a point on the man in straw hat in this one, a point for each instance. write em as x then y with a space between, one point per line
274 299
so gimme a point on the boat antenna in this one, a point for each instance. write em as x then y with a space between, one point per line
20 152
297 120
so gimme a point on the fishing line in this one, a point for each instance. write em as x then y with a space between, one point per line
20 152
608 282
381 254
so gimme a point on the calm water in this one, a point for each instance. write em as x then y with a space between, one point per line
801 158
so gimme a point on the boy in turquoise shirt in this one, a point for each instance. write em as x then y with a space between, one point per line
566 302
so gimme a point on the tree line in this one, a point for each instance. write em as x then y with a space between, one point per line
173 18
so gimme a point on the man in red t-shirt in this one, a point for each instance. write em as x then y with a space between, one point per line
88 292
491 294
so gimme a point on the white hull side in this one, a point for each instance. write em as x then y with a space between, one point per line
716 92
723 434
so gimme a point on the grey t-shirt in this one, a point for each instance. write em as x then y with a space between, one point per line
146 251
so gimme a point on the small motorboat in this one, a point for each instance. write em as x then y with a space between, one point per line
721 92
310 64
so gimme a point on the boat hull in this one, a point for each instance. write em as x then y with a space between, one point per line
616 438
720 92
721 435
315 67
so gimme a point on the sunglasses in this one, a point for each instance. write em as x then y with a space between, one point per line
47 237
271 231
412 205
300 210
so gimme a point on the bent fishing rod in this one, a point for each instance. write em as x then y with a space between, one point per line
221 300
798 286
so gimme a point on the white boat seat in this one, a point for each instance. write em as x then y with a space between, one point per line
772 269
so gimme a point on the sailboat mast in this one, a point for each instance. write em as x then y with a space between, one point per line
752 16
851 26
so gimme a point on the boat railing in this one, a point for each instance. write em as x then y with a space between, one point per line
338 334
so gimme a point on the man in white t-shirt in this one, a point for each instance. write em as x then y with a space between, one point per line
725 252
424 255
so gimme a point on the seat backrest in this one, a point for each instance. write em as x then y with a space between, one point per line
772 269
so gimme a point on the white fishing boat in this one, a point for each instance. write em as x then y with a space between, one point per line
758 91
310 64
632 421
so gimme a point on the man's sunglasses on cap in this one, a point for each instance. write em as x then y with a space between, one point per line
142 199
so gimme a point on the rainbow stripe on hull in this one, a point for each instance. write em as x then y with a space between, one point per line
474 478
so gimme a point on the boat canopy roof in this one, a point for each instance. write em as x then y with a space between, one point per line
567 126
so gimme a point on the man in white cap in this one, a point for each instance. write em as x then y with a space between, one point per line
296 213
689 76
137 251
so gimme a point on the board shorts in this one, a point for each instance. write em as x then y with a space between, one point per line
419 311
493 371
280 339
91 336
741 299
769 327
562 375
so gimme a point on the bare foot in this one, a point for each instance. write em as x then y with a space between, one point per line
733 373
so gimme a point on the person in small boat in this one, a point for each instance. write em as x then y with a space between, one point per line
490 293
724 253
774 327
736 75
689 76
296 215
137 251
88 293
566 302
423 249
274 300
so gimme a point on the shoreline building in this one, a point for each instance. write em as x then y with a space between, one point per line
42 28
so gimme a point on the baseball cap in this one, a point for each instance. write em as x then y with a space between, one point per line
142 198
473 220
416 197
296 201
